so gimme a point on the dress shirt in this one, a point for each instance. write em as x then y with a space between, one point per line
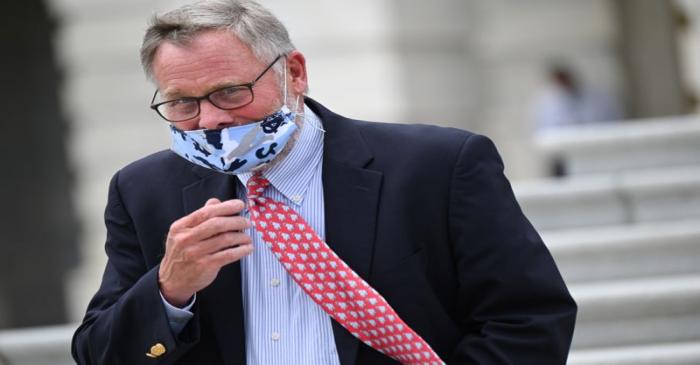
282 324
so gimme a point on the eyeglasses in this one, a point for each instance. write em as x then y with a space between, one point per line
226 98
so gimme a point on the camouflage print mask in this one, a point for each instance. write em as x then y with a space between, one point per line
238 149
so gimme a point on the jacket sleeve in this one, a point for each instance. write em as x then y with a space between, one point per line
514 305
126 317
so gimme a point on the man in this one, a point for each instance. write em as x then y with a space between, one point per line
565 101
419 218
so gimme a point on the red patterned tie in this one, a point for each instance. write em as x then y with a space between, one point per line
331 283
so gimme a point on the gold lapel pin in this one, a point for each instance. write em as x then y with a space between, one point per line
156 350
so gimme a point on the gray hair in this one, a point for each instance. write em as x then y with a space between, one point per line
253 24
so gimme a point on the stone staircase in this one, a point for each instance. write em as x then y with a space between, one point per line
624 228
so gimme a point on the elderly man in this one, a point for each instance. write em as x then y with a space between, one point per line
277 232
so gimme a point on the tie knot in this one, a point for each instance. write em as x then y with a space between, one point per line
256 185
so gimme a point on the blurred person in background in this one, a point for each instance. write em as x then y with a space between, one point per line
275 231
565 101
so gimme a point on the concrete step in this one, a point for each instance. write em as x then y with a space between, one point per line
568 203
636 312
626 251
682 353
613 147
37 346
626 197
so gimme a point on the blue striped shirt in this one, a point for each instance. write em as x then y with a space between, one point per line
282 324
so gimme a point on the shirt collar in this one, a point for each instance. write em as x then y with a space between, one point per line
292 176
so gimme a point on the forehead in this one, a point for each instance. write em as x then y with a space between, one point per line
212 59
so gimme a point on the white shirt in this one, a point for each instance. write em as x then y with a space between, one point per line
282 324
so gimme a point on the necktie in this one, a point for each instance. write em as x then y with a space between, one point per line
331 283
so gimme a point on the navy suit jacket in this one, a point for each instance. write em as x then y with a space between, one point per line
423 213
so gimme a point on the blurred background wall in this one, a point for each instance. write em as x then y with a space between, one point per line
39 228
76 103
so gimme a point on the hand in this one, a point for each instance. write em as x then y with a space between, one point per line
199 245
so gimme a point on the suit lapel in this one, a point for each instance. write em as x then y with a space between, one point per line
351 194
221 302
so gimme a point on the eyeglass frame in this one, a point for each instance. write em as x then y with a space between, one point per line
248 85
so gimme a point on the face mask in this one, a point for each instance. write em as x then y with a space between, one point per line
238 149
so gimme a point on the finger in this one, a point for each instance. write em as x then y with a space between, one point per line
221 242
227 208
229 255
212 201
215 226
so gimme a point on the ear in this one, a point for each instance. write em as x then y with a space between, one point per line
296 72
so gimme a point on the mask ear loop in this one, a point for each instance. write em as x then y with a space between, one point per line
313 122
284 87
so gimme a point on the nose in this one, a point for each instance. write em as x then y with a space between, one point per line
211 117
